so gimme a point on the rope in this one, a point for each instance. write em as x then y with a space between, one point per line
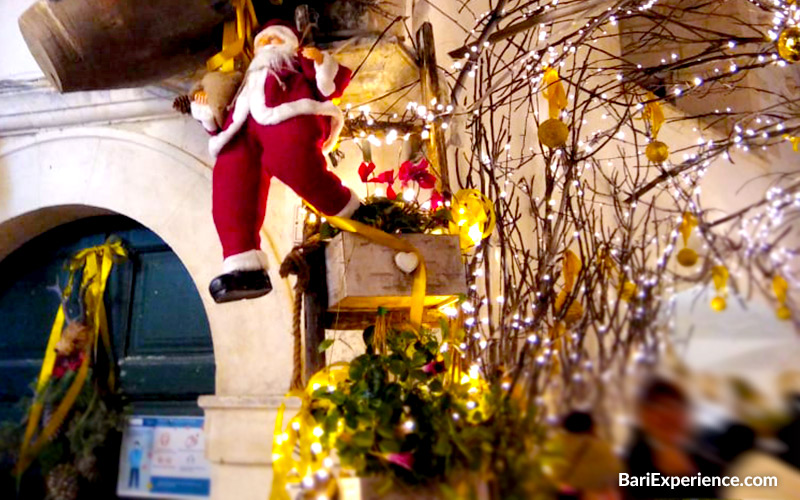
297 264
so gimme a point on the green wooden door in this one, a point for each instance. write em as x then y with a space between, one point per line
158 325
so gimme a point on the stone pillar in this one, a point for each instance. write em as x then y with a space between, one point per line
238 433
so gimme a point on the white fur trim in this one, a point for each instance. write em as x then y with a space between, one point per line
203 114
251 101
251 260
351 206
326 73
282 31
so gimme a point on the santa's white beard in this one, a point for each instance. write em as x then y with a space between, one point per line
273 58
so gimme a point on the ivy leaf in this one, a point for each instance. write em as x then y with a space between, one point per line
364 439
398 367
325 345
443 447
389 446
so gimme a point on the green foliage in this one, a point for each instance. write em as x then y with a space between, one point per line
395 216
397 416
385 392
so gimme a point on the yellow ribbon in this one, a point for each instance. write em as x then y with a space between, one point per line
554 92
719 275
236 39
96 263
473 217
653 114
688 223
780 287
570 271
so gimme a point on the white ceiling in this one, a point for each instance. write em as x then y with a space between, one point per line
18 64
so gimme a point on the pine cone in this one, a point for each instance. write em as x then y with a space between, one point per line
183 104
87 467
62 483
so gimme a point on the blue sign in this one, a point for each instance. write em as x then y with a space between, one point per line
163 457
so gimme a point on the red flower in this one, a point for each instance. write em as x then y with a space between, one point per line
365 169
404 459
387 178
437 200
435 367
417 173
64 364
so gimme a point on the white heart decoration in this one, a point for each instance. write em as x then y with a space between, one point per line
406 261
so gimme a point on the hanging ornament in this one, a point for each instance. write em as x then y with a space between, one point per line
781 287
656 151
570 271
627 291
687 257
473 217
788 44
553 133
719 275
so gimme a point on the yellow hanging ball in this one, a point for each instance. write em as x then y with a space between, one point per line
789 44
783 313
657 152
687 257
719 304
553 133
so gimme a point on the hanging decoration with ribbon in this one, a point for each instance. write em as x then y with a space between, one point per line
553 132
236 51
656 151
569 272
720 275
79 341
686 256
781 289
473 217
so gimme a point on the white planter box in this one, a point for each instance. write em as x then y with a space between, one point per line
362 275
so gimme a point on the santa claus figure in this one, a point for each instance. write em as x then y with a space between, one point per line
280 125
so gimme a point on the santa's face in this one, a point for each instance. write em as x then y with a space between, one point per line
272 53
269 40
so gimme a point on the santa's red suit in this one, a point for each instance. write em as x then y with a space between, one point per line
280 125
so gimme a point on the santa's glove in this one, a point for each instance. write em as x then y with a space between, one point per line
201 112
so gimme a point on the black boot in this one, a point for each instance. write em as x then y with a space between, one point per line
238 285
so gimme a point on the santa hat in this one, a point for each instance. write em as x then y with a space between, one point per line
280 28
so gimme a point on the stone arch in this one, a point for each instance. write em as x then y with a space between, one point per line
55 177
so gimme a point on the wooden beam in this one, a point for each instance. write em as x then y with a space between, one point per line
429 78
315 304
